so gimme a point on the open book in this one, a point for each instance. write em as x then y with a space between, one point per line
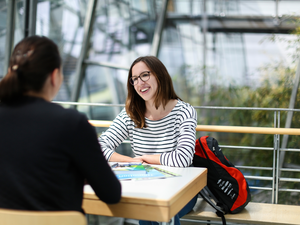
129 168
138 171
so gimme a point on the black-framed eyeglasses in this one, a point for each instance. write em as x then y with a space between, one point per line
144 77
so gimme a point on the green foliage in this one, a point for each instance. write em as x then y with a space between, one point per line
274 92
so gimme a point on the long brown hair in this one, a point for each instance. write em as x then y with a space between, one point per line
135 105
32 61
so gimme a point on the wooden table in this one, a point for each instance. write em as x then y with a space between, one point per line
155 200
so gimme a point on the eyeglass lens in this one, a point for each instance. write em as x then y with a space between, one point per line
144 77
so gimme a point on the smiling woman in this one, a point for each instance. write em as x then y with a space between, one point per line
160 126
154 97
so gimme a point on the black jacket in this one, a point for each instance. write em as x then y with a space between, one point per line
46 153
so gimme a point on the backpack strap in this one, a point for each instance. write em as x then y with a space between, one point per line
207 158
205 194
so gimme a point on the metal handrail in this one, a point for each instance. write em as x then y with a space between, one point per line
196 107
227 129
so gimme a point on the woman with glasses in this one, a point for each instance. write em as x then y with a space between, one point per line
46 152
160 126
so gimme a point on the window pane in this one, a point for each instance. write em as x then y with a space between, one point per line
104 85
62 21
229 60
234 7
3 17
288 7
123 30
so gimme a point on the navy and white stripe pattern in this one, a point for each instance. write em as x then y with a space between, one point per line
172 136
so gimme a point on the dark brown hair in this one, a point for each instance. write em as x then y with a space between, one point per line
135 105
32 61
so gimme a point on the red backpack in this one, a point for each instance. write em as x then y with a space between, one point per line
225 183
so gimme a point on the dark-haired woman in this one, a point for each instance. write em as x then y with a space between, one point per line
47 152
160 126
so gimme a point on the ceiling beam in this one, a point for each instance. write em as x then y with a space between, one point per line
244 24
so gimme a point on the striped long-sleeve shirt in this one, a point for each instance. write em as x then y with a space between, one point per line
172 136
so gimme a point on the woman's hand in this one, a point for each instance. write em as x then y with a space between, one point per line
150 159
116 157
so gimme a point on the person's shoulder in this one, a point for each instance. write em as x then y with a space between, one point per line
123 113
185 105
68 115
186 109
123 116
124 119
60 108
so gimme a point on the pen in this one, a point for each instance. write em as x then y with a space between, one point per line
114 165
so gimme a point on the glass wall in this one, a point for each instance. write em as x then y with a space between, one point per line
218 52
3 16
199 53
62 21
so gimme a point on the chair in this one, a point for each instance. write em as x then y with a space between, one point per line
22 217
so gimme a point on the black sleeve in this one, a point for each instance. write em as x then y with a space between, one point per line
89 158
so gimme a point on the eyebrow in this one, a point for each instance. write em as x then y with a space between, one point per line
146 71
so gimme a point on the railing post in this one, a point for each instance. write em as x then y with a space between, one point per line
10 27
278 161
274 159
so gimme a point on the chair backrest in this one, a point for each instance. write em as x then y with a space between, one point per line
21 217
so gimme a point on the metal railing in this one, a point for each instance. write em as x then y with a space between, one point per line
276 131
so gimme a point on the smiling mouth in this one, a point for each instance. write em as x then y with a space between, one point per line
145 89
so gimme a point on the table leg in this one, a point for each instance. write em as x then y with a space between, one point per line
171 222
87 218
